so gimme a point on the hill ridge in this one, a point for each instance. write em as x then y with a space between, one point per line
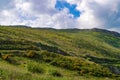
88 52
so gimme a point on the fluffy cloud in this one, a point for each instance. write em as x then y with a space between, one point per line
42 13
98 13
105 12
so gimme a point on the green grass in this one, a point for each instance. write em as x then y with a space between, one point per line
49 54
20 72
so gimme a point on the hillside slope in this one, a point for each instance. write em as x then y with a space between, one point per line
91 52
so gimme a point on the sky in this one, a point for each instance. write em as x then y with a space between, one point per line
61 14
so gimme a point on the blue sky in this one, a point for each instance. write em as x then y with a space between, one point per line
60 5
3 3
82 14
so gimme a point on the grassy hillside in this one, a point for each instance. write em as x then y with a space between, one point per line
66 54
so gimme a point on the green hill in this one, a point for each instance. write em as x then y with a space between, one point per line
65 54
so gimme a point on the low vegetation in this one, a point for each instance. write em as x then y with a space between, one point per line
35 68
49 54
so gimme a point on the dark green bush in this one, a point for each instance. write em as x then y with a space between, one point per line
35 68
0 55
73 63
55 73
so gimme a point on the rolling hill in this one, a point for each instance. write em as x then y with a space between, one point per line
58 54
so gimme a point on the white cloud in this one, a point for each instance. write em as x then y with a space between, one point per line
99 13
115 29
64 20
42 13
87 18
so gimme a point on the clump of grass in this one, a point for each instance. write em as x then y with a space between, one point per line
55 73
6 74
35 68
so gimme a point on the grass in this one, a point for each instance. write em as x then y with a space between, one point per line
35 68
49 54
21 73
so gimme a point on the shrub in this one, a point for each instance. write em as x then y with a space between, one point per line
55 73
73 63
6 56
35 68
83 72
13 60
0 55
30 54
